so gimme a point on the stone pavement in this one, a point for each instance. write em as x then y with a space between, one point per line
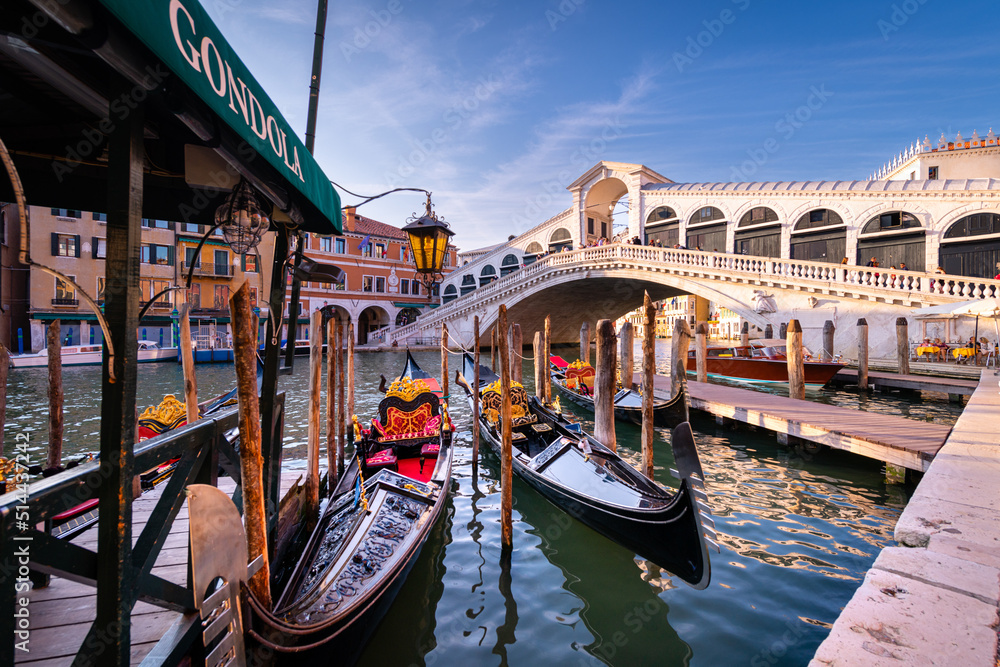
934 600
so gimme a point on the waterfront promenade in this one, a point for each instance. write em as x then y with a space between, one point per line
934 600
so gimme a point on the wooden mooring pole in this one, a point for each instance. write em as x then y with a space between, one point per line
506 449
350 372
315 426
745 334
902 346
493 349
55 395
187 364
604 385
626 364
516 354
585 342
342 415
701 351
678 358
547 345
783 331
540 366
796 366
648 378
251 460
862 354
444 360
331 404
828 331
768 331
475 398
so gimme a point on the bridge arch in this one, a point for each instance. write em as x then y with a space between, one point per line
599 206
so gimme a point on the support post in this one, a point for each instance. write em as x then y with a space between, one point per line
828 331
585 342
315 428
541 366
796 366
342 415
444 360
293 306
516 348
648 379
187 365
701 351
546 376
783 331
768 331
271 423
902 346
55 395
604 385
115 573
745 334
493 349
626 365
331 405
506 449
350 372
679 344
894 474
251 460
475 398
862 354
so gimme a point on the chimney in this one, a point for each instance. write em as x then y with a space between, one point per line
350 217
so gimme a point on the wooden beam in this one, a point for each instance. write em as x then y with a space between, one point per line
902 346
795 362
342 415
311 503
506 449
516 348
444 360
350 371
475 398
862 354
187 363
547 346
604 385
332 473
541 367
679 344
626 364
648 379
701 351
585 342
115 576
829 329
54 341
251 459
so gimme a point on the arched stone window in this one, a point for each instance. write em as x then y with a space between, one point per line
890 221
758 216
827 243
661 214
706 214
487 275
894 238
509 264
450 294
534 248
820 217
560 238
963 253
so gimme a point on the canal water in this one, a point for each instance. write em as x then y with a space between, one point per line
797 532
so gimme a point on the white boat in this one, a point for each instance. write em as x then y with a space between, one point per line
86 355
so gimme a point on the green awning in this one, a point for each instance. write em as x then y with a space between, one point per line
409 305
182 35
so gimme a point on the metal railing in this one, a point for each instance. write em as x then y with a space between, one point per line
216 270
65 302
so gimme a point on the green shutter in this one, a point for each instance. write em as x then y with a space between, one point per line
93 246
77 237
55 244
171 255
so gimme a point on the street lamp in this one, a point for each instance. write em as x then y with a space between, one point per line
428 237
243 218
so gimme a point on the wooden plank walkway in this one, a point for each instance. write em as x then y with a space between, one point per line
903 442
62 613
881 380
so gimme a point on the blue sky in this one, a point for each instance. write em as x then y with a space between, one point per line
496 106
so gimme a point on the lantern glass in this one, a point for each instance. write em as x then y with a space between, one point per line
242 218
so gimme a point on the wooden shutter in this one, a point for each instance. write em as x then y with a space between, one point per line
77 237
55 244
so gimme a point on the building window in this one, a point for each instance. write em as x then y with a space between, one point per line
157 254
101 285
222 264
326 244
250 263
65 245
100 247
221 297
590 225
156 224
341 286
415 288
404 286
380 284
380 250
194 296
100 217
253 297
67 213
191 228
340 245
367 283
932 173
65 294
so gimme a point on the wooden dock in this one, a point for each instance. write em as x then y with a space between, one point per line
63 612
902 442
954 387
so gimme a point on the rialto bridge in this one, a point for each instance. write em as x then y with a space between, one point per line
610 280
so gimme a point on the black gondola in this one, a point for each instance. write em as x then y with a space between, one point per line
369 536
413 371
593 484
627 402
